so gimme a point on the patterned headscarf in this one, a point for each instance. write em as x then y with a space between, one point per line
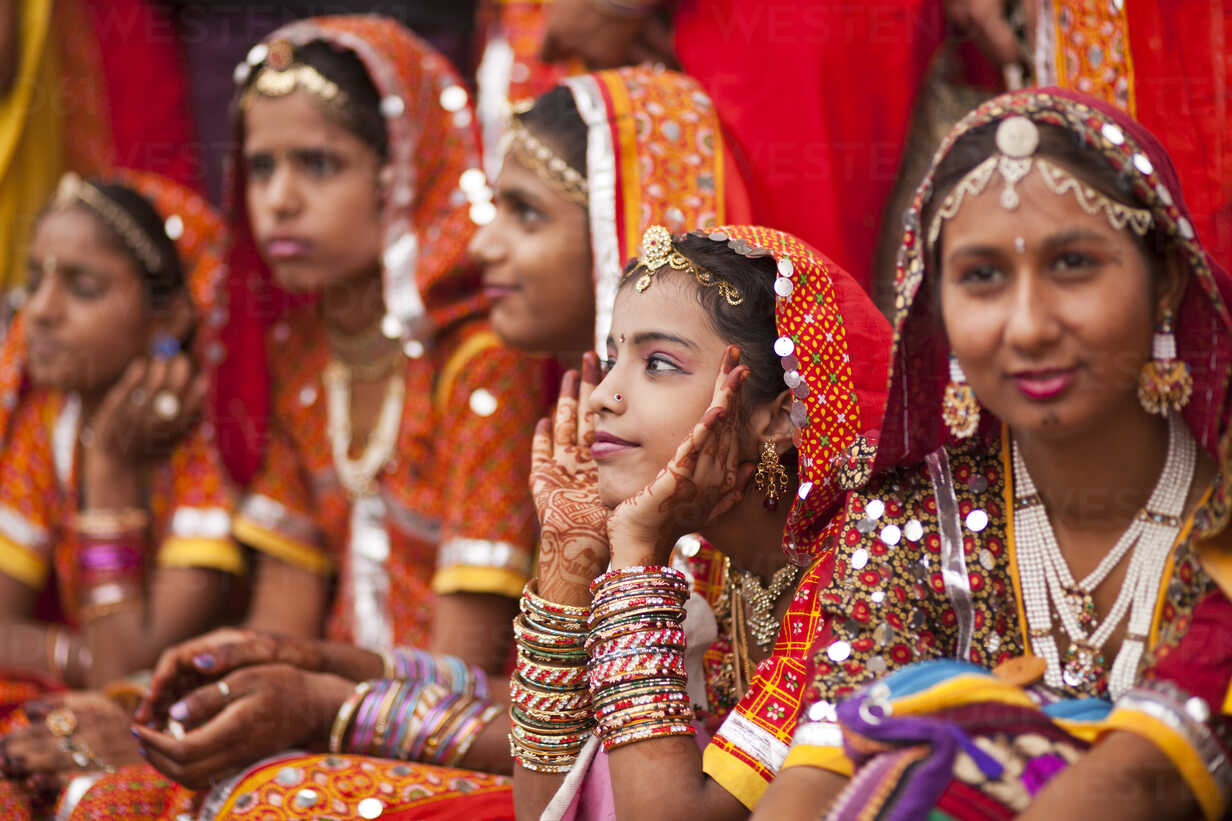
834 347
913 426
655 155
433 141
200 238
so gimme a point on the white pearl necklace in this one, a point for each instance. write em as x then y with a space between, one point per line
1047 583
356 475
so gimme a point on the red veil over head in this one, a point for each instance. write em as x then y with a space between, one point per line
834 347
920 370
433 140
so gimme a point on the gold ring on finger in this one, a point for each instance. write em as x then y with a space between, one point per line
62 722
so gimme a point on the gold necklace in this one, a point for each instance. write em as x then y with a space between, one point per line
761 621
736 672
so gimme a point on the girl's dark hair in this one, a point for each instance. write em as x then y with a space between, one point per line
554 118
361 115
1058 144
168 280
750 324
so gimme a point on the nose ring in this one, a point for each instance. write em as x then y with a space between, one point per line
618 397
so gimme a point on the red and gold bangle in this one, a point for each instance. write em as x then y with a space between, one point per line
621 738
544 701
532 601
551 675
640 571
630 702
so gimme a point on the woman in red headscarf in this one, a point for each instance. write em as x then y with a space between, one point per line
764 358
1046 493
116 514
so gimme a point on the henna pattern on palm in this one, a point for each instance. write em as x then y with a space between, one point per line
565 485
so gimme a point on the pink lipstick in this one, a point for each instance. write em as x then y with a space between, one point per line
606 446
1043 385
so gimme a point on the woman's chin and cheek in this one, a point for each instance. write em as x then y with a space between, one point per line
68 381
1077 413
512 323
618 483
303 278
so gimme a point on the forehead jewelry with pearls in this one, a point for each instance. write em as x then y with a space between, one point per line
1017 140
659 252
544 162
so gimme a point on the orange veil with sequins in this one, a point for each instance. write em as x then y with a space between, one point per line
429 287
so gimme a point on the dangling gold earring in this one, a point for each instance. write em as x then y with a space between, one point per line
1164 383
771 476
959 408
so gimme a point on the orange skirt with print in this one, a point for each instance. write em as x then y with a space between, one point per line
307 786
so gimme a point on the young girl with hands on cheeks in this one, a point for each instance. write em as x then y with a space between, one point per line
703 390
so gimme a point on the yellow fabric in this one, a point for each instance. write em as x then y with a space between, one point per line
825 758
22 564
280 547
31 138
468 350
464 579
733 775
216 554
1179 751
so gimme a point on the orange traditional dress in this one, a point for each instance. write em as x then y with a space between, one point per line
190 498
925 564
449 512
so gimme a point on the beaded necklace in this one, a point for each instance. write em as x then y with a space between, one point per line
1045 575
357 475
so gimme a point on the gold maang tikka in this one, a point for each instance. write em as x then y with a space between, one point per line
280 75
658 252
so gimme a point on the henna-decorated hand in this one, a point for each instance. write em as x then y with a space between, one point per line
205 659
704 480
264 710
564 481
45 763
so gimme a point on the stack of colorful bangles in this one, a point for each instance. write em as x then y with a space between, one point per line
638 682
549 695
409 664
410 721
111 556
